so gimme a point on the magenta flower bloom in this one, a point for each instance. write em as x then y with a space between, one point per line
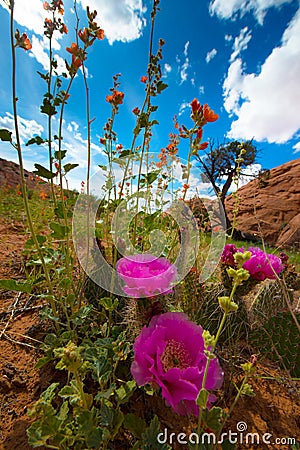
169 353
146 275
262 265
227 255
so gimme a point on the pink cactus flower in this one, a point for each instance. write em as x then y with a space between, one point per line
146 275
262 265
169 353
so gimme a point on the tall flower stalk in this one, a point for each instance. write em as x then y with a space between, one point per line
20 42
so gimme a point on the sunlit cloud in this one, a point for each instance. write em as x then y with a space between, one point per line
240 43
210 55
296 147
230 9
266 104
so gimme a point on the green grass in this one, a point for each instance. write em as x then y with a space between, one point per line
12 208
42 209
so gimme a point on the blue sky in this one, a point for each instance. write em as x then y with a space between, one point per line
241 57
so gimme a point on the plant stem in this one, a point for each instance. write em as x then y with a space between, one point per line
23 182
225 314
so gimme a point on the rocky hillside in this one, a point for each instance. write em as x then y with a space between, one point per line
270 206
10 176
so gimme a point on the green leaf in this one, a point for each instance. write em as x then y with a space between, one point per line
69 166
108 303
150 436
60 154
40 238
43 361
43 76
5 135
63 412
71 392
59 231
149 178
13 285
136 425
125 153
36 140
47 108
59 211
49 394
35 436
212 417
43 172
202 398
143 120
117 422
161 86
107 415
125 391
106 394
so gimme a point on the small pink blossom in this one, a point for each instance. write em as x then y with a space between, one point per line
227 255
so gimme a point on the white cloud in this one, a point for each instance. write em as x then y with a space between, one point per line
183 107
183 67
73 142
167 69
229 9
228 37
30 14
39 51
210 55
249 173
297 147
27 128
121 20
233 87
240 43
267 104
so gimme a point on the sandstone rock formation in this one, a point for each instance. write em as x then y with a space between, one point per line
269 206
10 176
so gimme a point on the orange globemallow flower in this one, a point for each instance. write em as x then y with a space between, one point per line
136 111
83 35
64 29
144 79
203 146
76 62
195 104
27 44
209 114
59 4
116 98
200 133
46 6
100 34
73 49
43 195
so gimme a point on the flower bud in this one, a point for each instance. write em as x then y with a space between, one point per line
227 305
